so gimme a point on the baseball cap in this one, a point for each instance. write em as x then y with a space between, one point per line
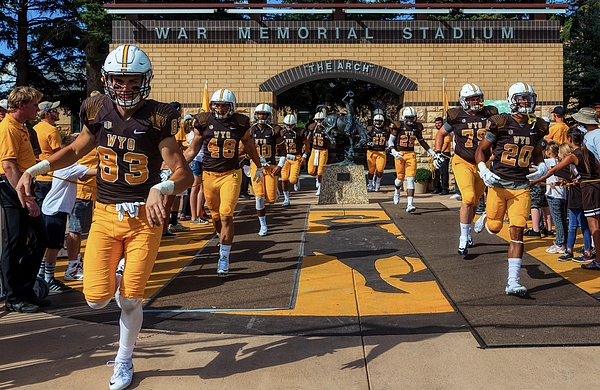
559 110
187 117
47 106
4 104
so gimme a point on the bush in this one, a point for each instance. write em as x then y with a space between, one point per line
423 175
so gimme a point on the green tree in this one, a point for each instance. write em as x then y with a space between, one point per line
581 35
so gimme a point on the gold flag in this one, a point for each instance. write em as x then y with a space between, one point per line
205 101
445 93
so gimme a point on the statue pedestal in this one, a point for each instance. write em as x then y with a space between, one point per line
343 184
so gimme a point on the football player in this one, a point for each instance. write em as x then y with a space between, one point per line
132 135
402 146
294 140
265 137
319 142
467 123
517 140
376 155
219 133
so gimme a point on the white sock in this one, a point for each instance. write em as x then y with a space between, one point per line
377 180
263 221
42 270
465 230
129 326
286 195
49 271
371 182
397 190
224 251
409 200
514 266
72 263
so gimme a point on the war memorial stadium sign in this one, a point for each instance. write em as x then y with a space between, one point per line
341 32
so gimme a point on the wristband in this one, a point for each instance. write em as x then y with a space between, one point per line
431 152
166 187
304 156
40 168
281 162
481 166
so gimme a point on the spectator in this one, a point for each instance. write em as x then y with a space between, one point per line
558 131
57 206
440 181
25 237
49 139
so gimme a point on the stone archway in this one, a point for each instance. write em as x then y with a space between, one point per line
338 68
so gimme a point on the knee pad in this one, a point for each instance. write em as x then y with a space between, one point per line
98 305
469 198
130 304
410 183
398 183
494 226
260 203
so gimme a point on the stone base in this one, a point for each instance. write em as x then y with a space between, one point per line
343 184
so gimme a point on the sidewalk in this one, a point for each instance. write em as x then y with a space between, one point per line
41 351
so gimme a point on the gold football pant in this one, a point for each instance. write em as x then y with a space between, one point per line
407 167
376 161
517 202
267 186
221 192
313 169
468 180
291 170
109 240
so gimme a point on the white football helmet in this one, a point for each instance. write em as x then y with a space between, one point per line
469 91
290 121
266 109
409 115
378 120
378 111
222 96
525 93
319 116
127 60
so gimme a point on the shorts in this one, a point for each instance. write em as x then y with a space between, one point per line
468 180
376 161
221 191
196 167
500 200
538 198
56 225
81 216
407 167
590 197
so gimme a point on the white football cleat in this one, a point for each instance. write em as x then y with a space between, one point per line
263 231
370 187
479 224
410 208
514 288
396 197
223 266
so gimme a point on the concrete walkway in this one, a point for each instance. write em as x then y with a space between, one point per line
41 351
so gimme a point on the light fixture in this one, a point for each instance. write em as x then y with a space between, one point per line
278 11
138 11
512 11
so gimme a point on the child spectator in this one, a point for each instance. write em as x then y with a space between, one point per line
557 197
57 205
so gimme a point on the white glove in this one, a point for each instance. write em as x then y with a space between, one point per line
130 208
258 175
438 160
263 161
540 170
489 177
396 154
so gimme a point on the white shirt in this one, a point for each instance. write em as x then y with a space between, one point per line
63 193
558 192
200 154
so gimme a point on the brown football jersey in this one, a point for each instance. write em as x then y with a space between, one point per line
468 130
293 140
128 151
265 140
592 174
379 138
406 135
221 140
318 139
513 145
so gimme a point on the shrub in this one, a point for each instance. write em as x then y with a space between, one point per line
423 175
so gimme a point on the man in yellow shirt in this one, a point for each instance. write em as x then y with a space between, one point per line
49 139
558 131
26 238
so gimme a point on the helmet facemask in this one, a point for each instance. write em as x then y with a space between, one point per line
127 60
222 97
